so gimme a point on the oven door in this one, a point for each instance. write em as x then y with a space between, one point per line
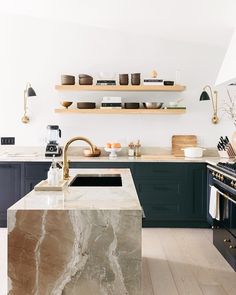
227 207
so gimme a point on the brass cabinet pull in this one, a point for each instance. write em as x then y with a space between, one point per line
232 247
227 241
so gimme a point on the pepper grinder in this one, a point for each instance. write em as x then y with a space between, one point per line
137 149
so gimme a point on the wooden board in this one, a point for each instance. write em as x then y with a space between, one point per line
44 186
182 141
121 111
78 87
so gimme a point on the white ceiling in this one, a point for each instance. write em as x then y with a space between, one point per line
210 21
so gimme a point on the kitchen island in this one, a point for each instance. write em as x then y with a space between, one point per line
83 240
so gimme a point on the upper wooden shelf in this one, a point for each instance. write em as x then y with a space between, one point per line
122 111
78 87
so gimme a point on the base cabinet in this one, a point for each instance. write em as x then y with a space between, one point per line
171 194
10 188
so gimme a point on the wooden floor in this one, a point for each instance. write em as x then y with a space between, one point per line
175 262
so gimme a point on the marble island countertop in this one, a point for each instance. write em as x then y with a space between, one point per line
85 240
85 198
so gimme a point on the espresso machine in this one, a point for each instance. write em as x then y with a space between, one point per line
53 148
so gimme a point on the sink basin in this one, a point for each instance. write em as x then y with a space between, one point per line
96 180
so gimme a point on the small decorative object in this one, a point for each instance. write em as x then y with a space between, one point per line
124 79
153 74
135 78
137 149
66 104
28 92
131 149
113 148
152 105
214 98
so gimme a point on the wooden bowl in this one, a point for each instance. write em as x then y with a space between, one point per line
66 104
89 153
86 105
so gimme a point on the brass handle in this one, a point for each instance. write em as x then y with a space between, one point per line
232 247
227 241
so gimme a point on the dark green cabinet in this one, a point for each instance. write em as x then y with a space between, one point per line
171 194
10 188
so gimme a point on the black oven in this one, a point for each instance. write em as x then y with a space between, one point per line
224 229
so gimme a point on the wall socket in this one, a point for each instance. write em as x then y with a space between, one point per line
7 140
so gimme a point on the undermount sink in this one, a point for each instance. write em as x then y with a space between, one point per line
96 180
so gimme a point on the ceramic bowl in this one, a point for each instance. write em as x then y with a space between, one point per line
66 104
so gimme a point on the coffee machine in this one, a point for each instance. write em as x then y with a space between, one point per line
53 148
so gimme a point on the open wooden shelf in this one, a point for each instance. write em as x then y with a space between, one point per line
78 87
122 111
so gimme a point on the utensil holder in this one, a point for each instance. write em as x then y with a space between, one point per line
228 153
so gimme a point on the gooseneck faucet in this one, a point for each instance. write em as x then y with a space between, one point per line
65 166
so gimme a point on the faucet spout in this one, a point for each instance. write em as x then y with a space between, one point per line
65 158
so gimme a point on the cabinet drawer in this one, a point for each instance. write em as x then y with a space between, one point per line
226 244
159 191
159 170
36 170
167 211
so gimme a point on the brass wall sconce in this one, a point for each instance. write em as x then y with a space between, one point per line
213 98
28 92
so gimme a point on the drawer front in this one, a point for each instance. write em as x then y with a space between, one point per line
171 211
159 170
159 191
36 170
226 244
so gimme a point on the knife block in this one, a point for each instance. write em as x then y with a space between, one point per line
225 154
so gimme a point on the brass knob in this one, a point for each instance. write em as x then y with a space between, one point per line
232 183
227 241
221 177
232 247
235 185
213 173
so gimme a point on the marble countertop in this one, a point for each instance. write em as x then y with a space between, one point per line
85 198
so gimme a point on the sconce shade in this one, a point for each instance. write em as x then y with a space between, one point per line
30 92
204 96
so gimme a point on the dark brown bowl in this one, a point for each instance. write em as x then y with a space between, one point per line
86 81
67 80
86 105
131 105
85 76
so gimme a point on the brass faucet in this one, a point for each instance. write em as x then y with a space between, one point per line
65 166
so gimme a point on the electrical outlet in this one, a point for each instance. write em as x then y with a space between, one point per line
7 140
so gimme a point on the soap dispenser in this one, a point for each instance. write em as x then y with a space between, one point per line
53 173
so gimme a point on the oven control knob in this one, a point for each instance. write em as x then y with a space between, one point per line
235 185
213 173
221 177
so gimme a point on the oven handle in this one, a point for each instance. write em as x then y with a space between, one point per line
224 195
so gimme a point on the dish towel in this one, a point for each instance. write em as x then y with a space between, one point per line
214 205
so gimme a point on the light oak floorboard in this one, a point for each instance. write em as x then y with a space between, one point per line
175 262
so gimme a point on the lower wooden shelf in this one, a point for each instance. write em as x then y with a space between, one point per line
122 111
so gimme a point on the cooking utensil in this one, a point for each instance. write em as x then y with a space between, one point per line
152 105
182 141
193 152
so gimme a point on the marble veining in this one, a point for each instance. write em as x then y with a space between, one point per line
76 249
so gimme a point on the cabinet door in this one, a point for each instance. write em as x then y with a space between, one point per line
10 188
33 174
196 193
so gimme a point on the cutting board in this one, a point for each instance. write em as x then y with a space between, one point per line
182 141
45 186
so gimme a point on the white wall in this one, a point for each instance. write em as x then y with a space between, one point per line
40 50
